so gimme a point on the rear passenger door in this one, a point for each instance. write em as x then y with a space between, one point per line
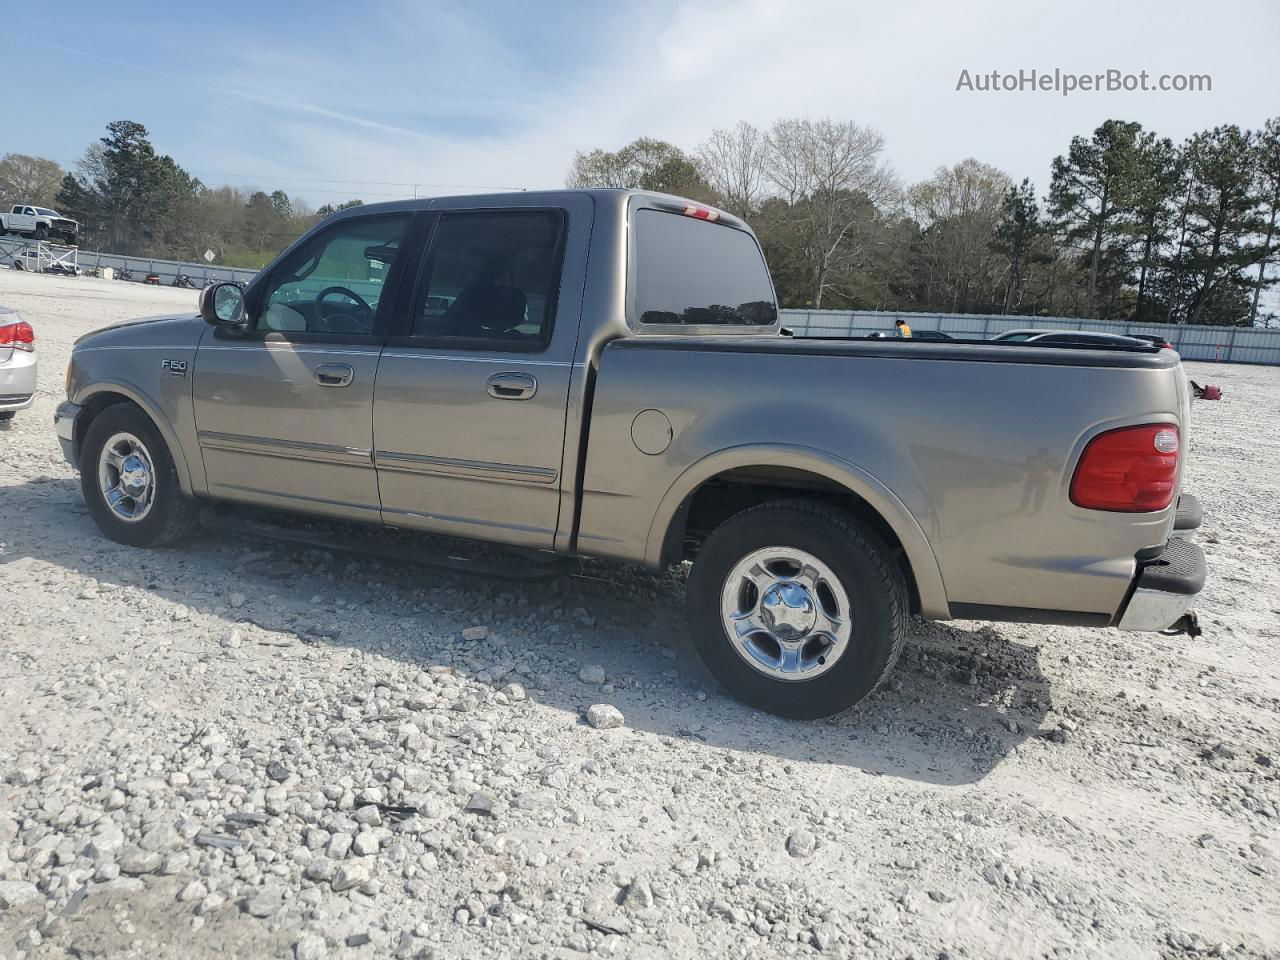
469 408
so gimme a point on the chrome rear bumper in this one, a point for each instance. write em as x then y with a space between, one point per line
1165 589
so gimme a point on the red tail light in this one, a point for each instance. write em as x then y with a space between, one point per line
18 335
1130 470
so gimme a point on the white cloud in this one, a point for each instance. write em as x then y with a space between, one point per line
445 99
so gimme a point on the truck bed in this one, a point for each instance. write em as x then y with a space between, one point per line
966 448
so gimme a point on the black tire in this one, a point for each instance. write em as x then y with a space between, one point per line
7 415
876 590
42 232
172 514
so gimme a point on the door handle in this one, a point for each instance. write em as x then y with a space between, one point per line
334 374
512 386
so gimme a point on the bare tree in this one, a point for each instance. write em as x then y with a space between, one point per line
26 179
958 210
734 163
834 181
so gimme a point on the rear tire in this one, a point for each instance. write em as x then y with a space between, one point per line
144 481
812 561
7 415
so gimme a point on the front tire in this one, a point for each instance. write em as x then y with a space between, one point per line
797 608
129 480
42 232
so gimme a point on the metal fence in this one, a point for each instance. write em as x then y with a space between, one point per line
35 254
166 270
1224 344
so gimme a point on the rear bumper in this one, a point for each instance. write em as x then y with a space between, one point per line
16 401
17 380
1165 589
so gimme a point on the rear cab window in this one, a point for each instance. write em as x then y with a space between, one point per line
690 272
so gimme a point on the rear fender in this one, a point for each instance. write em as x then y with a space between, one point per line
924 565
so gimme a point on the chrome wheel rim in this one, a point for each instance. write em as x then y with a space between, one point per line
786 613
126 477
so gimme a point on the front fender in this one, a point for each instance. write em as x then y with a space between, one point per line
924 565
84 397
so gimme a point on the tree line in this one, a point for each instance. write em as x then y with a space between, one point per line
130 199
1133 227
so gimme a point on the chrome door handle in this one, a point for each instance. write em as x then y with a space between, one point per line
334 374
512 386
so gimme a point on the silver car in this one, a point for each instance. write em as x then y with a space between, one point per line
17 363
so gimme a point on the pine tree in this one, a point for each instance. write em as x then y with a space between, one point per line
1267 161
1087 191
1222 223
1149 200
1016 235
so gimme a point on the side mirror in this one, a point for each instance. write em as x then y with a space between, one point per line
222 304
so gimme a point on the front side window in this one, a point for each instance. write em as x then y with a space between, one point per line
333 283
491 276
691 271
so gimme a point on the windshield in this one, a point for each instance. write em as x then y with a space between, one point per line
46 212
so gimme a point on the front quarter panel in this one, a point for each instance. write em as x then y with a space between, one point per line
151 364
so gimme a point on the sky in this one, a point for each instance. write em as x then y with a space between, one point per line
388 98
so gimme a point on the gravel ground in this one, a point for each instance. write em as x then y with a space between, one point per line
236 749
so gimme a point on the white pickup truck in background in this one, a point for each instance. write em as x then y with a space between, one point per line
39 223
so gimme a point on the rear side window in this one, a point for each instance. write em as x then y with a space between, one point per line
492 276
690 271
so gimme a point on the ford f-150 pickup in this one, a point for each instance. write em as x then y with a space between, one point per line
602 373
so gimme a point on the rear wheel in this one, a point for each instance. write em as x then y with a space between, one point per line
797 608
129 480
7 415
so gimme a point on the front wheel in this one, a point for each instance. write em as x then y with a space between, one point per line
797 608
42 232
129 480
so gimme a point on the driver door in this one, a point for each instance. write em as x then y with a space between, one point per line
284 407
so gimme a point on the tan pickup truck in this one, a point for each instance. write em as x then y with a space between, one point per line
602 373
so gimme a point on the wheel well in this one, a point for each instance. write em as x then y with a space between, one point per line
733 491
90 411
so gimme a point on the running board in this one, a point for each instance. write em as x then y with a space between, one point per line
524 565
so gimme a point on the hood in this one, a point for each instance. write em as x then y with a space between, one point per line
165 329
